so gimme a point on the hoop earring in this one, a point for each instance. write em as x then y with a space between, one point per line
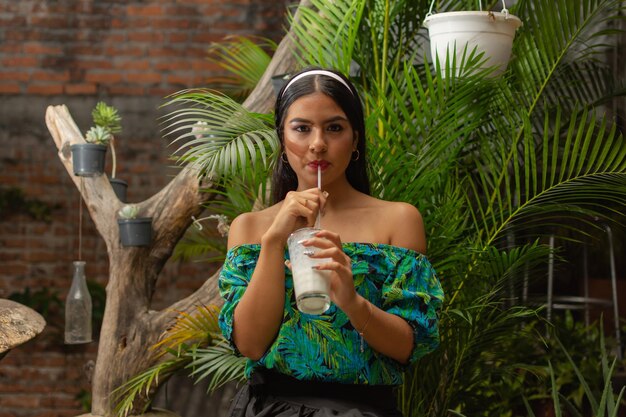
283 157
358 155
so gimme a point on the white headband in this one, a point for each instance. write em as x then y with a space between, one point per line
317 72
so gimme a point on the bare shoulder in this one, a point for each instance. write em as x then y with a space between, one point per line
406 226
247 228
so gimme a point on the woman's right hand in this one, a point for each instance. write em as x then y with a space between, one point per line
259 314
299 209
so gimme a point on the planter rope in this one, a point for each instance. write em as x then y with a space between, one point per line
504 10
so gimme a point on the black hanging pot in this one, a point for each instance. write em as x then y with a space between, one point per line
119 187
135 232
88 159
278 81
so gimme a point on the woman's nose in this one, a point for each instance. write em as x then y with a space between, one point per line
318 144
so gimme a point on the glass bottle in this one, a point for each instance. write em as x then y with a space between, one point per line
78 308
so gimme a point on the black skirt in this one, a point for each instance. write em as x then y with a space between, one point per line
270 394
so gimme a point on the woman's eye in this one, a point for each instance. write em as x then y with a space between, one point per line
335 128
301 128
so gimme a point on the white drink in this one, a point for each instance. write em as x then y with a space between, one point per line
310 285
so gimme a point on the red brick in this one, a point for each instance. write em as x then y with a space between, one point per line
14 243
126 90
168 52
207 38
45 89
172 24
15 35
189 79
39 48
49 361
103 77
143 77
162 92
10 48
178 10
172 65
10 88
152 36
136 64
40 257
59 402
20 62
85 50
152 10
94 22
178 37
61 76
124 51
94 64
8 388
205 66
114 38
14 76
52 22
50 8
117 23
13 270
228 27
13 21
20 401
80 89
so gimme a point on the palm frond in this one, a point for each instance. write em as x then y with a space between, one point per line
195 341
581 161
217 136
200 328
244 59
555 33
144 385
219 363
428 130
327 32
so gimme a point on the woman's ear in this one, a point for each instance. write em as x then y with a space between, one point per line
355 141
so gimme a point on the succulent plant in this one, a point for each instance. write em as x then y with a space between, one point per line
107 121
107 116
99 135
129 211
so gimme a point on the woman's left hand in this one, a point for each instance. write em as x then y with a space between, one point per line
342 291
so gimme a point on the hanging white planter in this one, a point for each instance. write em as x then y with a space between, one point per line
455 34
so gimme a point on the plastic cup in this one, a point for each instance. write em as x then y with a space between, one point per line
310 285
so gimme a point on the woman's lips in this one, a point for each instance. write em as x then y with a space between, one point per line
322 164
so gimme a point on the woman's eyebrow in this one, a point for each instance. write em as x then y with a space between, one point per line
329 120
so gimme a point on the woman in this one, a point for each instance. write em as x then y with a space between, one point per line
385 296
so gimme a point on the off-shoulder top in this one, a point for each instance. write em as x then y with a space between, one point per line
326 347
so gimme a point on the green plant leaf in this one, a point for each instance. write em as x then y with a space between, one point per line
217 136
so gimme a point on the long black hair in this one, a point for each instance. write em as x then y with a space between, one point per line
284 178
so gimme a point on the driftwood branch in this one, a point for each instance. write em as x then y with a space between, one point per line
128 328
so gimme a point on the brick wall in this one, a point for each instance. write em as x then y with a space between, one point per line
77 52
118 47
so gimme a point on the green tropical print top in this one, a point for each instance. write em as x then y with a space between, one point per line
326 347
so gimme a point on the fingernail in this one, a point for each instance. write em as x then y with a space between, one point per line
325 193
309 252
